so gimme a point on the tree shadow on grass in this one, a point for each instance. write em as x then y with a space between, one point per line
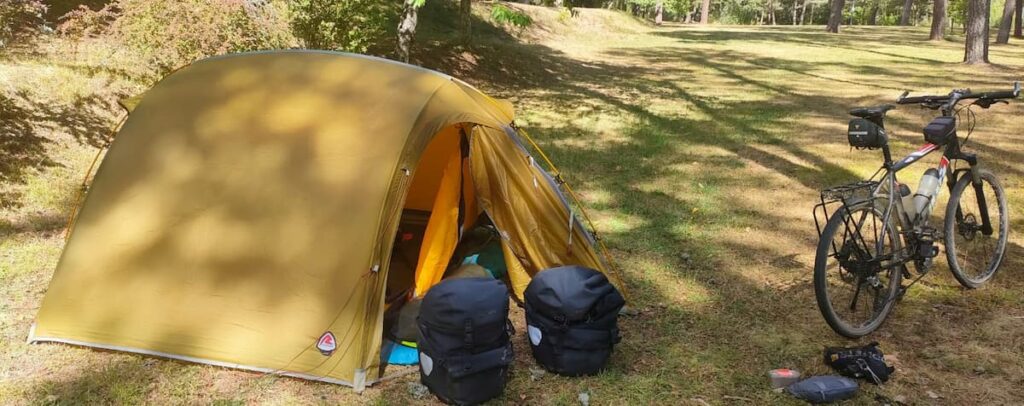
22 149
707 326
743 325
125 381
27 135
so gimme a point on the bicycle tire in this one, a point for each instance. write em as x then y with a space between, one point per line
821 280
953 230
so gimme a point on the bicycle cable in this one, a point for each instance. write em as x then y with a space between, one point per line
972 121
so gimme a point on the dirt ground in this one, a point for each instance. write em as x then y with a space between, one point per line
700 152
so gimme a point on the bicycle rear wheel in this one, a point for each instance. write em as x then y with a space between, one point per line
856 276
973 256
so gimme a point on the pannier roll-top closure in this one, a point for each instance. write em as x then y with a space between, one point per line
572 317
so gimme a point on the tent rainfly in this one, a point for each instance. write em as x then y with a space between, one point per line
246 211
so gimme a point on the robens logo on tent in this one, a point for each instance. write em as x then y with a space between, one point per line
327 344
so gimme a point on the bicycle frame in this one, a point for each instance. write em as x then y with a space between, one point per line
910 227
863 212
888 182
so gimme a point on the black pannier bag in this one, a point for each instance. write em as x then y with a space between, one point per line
572 319
941 130
465 347
865 134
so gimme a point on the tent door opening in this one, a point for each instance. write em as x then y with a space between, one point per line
442 233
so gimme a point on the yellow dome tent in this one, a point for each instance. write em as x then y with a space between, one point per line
249 204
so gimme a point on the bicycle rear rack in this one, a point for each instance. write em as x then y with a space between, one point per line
844 195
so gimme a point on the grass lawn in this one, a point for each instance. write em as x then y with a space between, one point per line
700 152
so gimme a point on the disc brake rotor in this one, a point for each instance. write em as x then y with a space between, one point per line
969 227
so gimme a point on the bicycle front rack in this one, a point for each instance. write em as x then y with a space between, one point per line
844 195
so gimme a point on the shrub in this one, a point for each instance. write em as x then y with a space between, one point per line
504 15
565 14
20 19
168 34
343 25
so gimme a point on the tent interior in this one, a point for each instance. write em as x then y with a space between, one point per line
441 226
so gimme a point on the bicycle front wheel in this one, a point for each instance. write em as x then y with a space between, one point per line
856 272
974 253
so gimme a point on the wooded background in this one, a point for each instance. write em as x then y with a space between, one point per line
165 34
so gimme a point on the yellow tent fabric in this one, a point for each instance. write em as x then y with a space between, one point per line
524 200
249 204
442 232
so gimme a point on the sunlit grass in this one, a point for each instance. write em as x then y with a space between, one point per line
700 151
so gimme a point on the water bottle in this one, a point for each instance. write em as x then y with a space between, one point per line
907 200
926 192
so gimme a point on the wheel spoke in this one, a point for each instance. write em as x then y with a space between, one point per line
858 288
973 255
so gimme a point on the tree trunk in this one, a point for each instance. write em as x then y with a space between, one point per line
976 46
939 20
853 3
406 30
835 18
873 16
705 11
466 15
796 9
659 8
803 13
1003 37
810 19
1017 31
905 16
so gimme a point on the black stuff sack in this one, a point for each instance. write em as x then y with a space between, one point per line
865 362
572 319
465 347
824 389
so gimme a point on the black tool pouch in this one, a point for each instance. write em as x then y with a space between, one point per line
865 362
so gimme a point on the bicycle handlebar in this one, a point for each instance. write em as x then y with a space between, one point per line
957 95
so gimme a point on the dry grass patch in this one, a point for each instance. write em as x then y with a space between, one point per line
700 150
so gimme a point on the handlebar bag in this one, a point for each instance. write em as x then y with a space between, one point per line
863 133
572 320
941 130
465 346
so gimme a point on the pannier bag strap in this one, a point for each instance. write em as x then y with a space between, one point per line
864 367
468 334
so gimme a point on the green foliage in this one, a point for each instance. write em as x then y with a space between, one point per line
344 25
564 14
505 15
20 19
168 34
